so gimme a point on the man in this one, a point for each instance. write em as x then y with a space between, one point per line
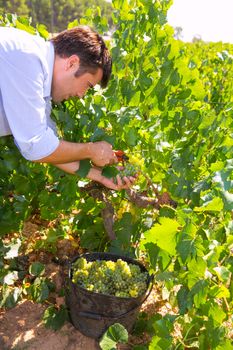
32 72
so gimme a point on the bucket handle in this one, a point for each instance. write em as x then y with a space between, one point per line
100 317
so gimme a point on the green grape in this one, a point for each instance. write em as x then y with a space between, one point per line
81 263
118 278
90 287
129 170
133 293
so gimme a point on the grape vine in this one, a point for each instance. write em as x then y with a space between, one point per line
170 106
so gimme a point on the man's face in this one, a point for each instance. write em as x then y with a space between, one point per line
65 84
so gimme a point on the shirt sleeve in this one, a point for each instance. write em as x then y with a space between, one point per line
22 87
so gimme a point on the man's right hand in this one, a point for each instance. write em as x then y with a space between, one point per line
102 154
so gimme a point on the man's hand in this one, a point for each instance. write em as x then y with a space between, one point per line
95 174
102 154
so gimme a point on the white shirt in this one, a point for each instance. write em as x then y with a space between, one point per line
26 66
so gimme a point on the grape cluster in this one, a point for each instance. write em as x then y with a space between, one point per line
129 170
118 278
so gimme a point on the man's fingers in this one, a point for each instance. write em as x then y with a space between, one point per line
125 182
120 184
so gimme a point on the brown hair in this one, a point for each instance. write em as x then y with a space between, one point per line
89 46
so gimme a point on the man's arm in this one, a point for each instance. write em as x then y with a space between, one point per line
95 174
100 153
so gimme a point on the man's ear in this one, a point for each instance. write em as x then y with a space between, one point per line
72 63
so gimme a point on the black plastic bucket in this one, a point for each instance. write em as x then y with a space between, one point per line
92 313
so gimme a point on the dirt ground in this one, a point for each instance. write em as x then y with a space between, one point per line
21 328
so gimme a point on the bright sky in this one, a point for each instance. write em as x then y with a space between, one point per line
212 20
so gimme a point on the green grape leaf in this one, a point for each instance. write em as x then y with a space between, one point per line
184 94
217 313
36 269
132 137
55 318
219 292
39 290
182 299
199 293
174 78
114 335
10 297
226 344
110 171
216 204
163 234
84 167
223 273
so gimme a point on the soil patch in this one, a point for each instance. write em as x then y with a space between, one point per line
21 328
